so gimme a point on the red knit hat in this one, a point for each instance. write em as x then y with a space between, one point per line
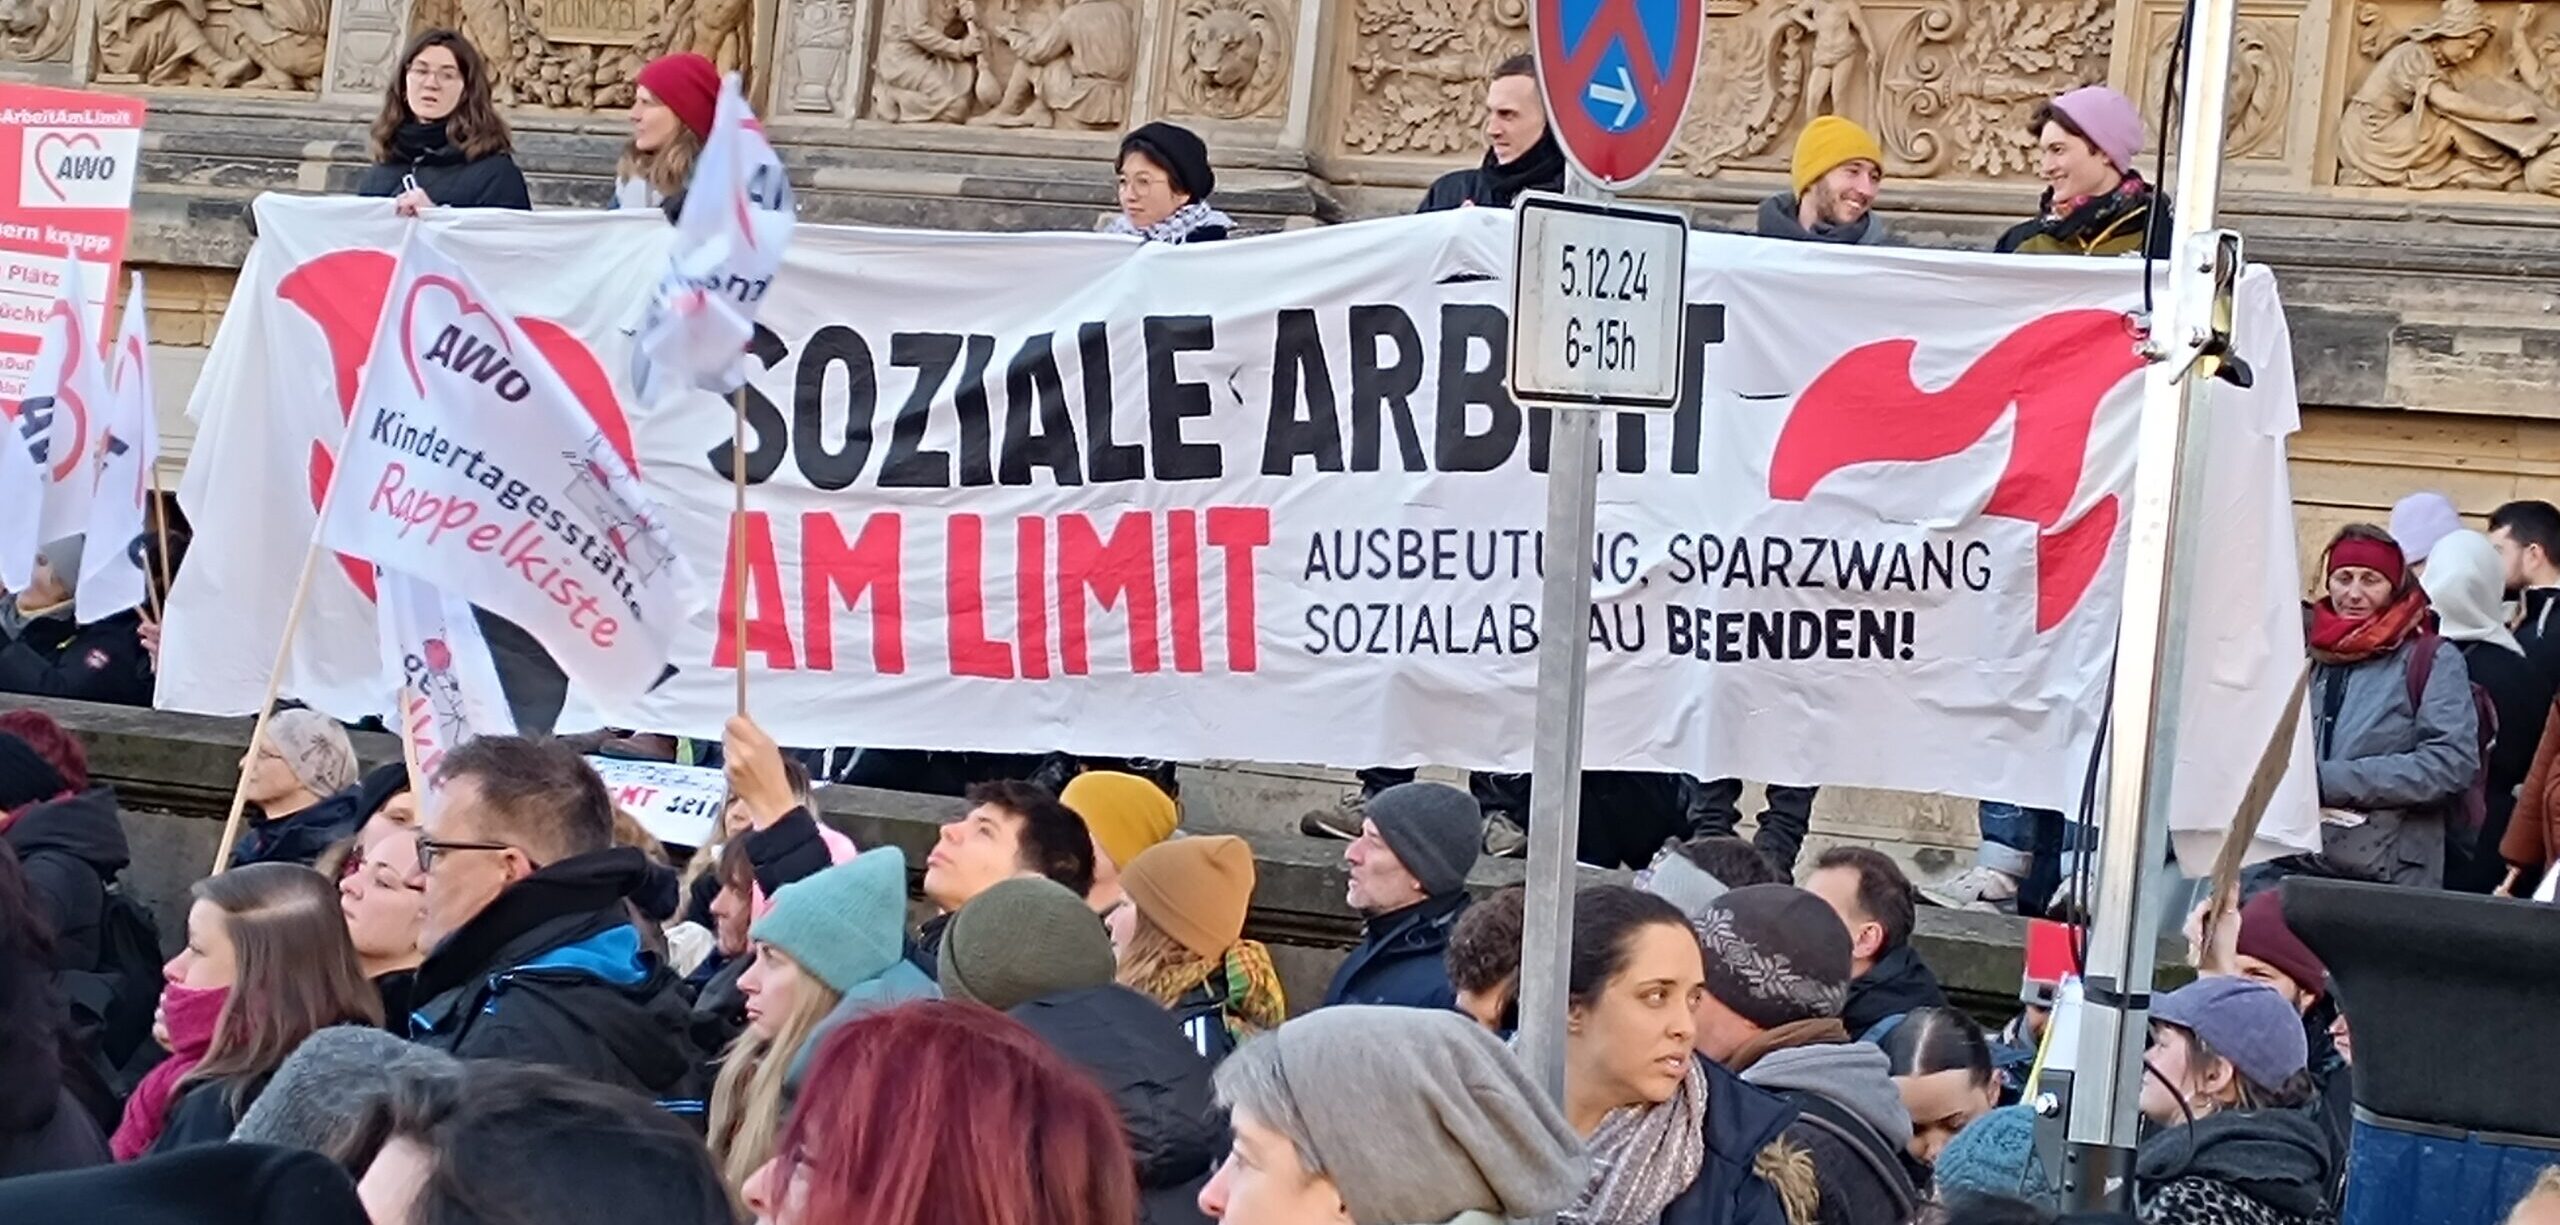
2381 557
689 85
2266 936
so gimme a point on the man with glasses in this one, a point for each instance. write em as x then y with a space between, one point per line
531 952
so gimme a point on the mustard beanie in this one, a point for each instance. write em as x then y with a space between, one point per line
1828 143
1196 889
1125 814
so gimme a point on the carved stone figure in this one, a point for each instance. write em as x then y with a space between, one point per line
927 68
2410 125
286 39
717 31
36 31
2261 90
1235 58
162 42
1072 72
368 40
1960 80
1840 35
2538 63
1751 73
813 76
1418 69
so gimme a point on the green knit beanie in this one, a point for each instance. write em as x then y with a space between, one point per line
845 925
1021 940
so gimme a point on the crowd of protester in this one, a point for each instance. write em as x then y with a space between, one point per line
490 996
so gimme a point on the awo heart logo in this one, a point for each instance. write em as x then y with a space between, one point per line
343 293
52 148
2057 370
456 310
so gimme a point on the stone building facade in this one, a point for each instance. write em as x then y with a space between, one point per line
2395 160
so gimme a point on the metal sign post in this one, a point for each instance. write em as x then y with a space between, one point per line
2159 595
1597 312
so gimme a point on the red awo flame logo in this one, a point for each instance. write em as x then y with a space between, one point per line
2056 370
343 294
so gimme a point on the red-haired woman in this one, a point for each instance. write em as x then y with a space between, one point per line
2389 766
879 1136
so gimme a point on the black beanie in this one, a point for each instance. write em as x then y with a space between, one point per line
25 777
379 786
1775 954
1184 156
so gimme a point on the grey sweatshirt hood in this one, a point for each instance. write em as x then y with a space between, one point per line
1853 1074
1779 219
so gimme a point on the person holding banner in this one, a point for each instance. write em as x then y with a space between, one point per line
48 653
1165 181
671 110
1520 154
439 139
2095 201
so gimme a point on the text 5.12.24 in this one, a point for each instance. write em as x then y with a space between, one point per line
1604 274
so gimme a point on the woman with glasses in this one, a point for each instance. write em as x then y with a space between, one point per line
439 139
381 897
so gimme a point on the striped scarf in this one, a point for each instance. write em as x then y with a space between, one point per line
1251 1002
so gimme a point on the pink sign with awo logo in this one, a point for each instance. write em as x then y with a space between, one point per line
67 162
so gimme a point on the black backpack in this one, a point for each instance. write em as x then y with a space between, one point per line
129 961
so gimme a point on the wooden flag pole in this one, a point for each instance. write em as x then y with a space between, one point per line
157 598
738 532
267 705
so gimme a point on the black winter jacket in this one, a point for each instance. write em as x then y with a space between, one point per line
61 1136
55 657
71 848
1133 1048
450 179
553 972
2248 1167
1493 184
302 836
1743 1121
204 1115
2521 692
1402 958
1898 983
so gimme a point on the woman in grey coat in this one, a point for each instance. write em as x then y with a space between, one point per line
2390 769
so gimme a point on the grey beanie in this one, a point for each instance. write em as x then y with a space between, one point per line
1434 829
64 556
1415 1114
1023 939
323 1091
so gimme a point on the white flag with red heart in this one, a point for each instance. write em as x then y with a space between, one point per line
472 467
58 416
112 577
443 680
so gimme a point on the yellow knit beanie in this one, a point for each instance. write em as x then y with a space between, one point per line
1828 143
1126 814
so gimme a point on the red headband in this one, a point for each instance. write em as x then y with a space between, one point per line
2379 556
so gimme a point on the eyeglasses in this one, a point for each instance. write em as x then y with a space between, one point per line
440 76
429 849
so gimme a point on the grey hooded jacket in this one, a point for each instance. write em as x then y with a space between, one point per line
1855 1077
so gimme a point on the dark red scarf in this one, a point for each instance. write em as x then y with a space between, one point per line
2336 639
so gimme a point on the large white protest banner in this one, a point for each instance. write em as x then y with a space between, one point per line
1268 499
473 468
729 243
443 685
112 574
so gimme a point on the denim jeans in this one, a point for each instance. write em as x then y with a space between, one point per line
2030 844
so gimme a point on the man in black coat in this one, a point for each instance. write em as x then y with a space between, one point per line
1876 902
532 953
2528 538
1520 153
1408 873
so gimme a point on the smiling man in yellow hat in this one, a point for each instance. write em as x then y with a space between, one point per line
1835 176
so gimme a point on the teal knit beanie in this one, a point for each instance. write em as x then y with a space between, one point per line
846 925
1024 939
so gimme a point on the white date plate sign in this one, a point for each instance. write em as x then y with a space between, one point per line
1596 303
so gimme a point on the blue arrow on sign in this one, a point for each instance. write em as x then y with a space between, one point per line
1611 98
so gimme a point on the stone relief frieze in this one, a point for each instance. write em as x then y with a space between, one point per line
2261 91
37 31
587 54
1961 80
367 44
809 74
1418 68
247 44
1231 59
1029 64
2456 96
1752 70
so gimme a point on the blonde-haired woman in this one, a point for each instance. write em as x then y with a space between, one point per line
832 937
672 107
1180 941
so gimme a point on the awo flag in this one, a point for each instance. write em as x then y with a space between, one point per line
113 577
444 685
1268 500
57 419
736 224
473 468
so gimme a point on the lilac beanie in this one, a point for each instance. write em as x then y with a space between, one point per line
2108 119
2421 520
